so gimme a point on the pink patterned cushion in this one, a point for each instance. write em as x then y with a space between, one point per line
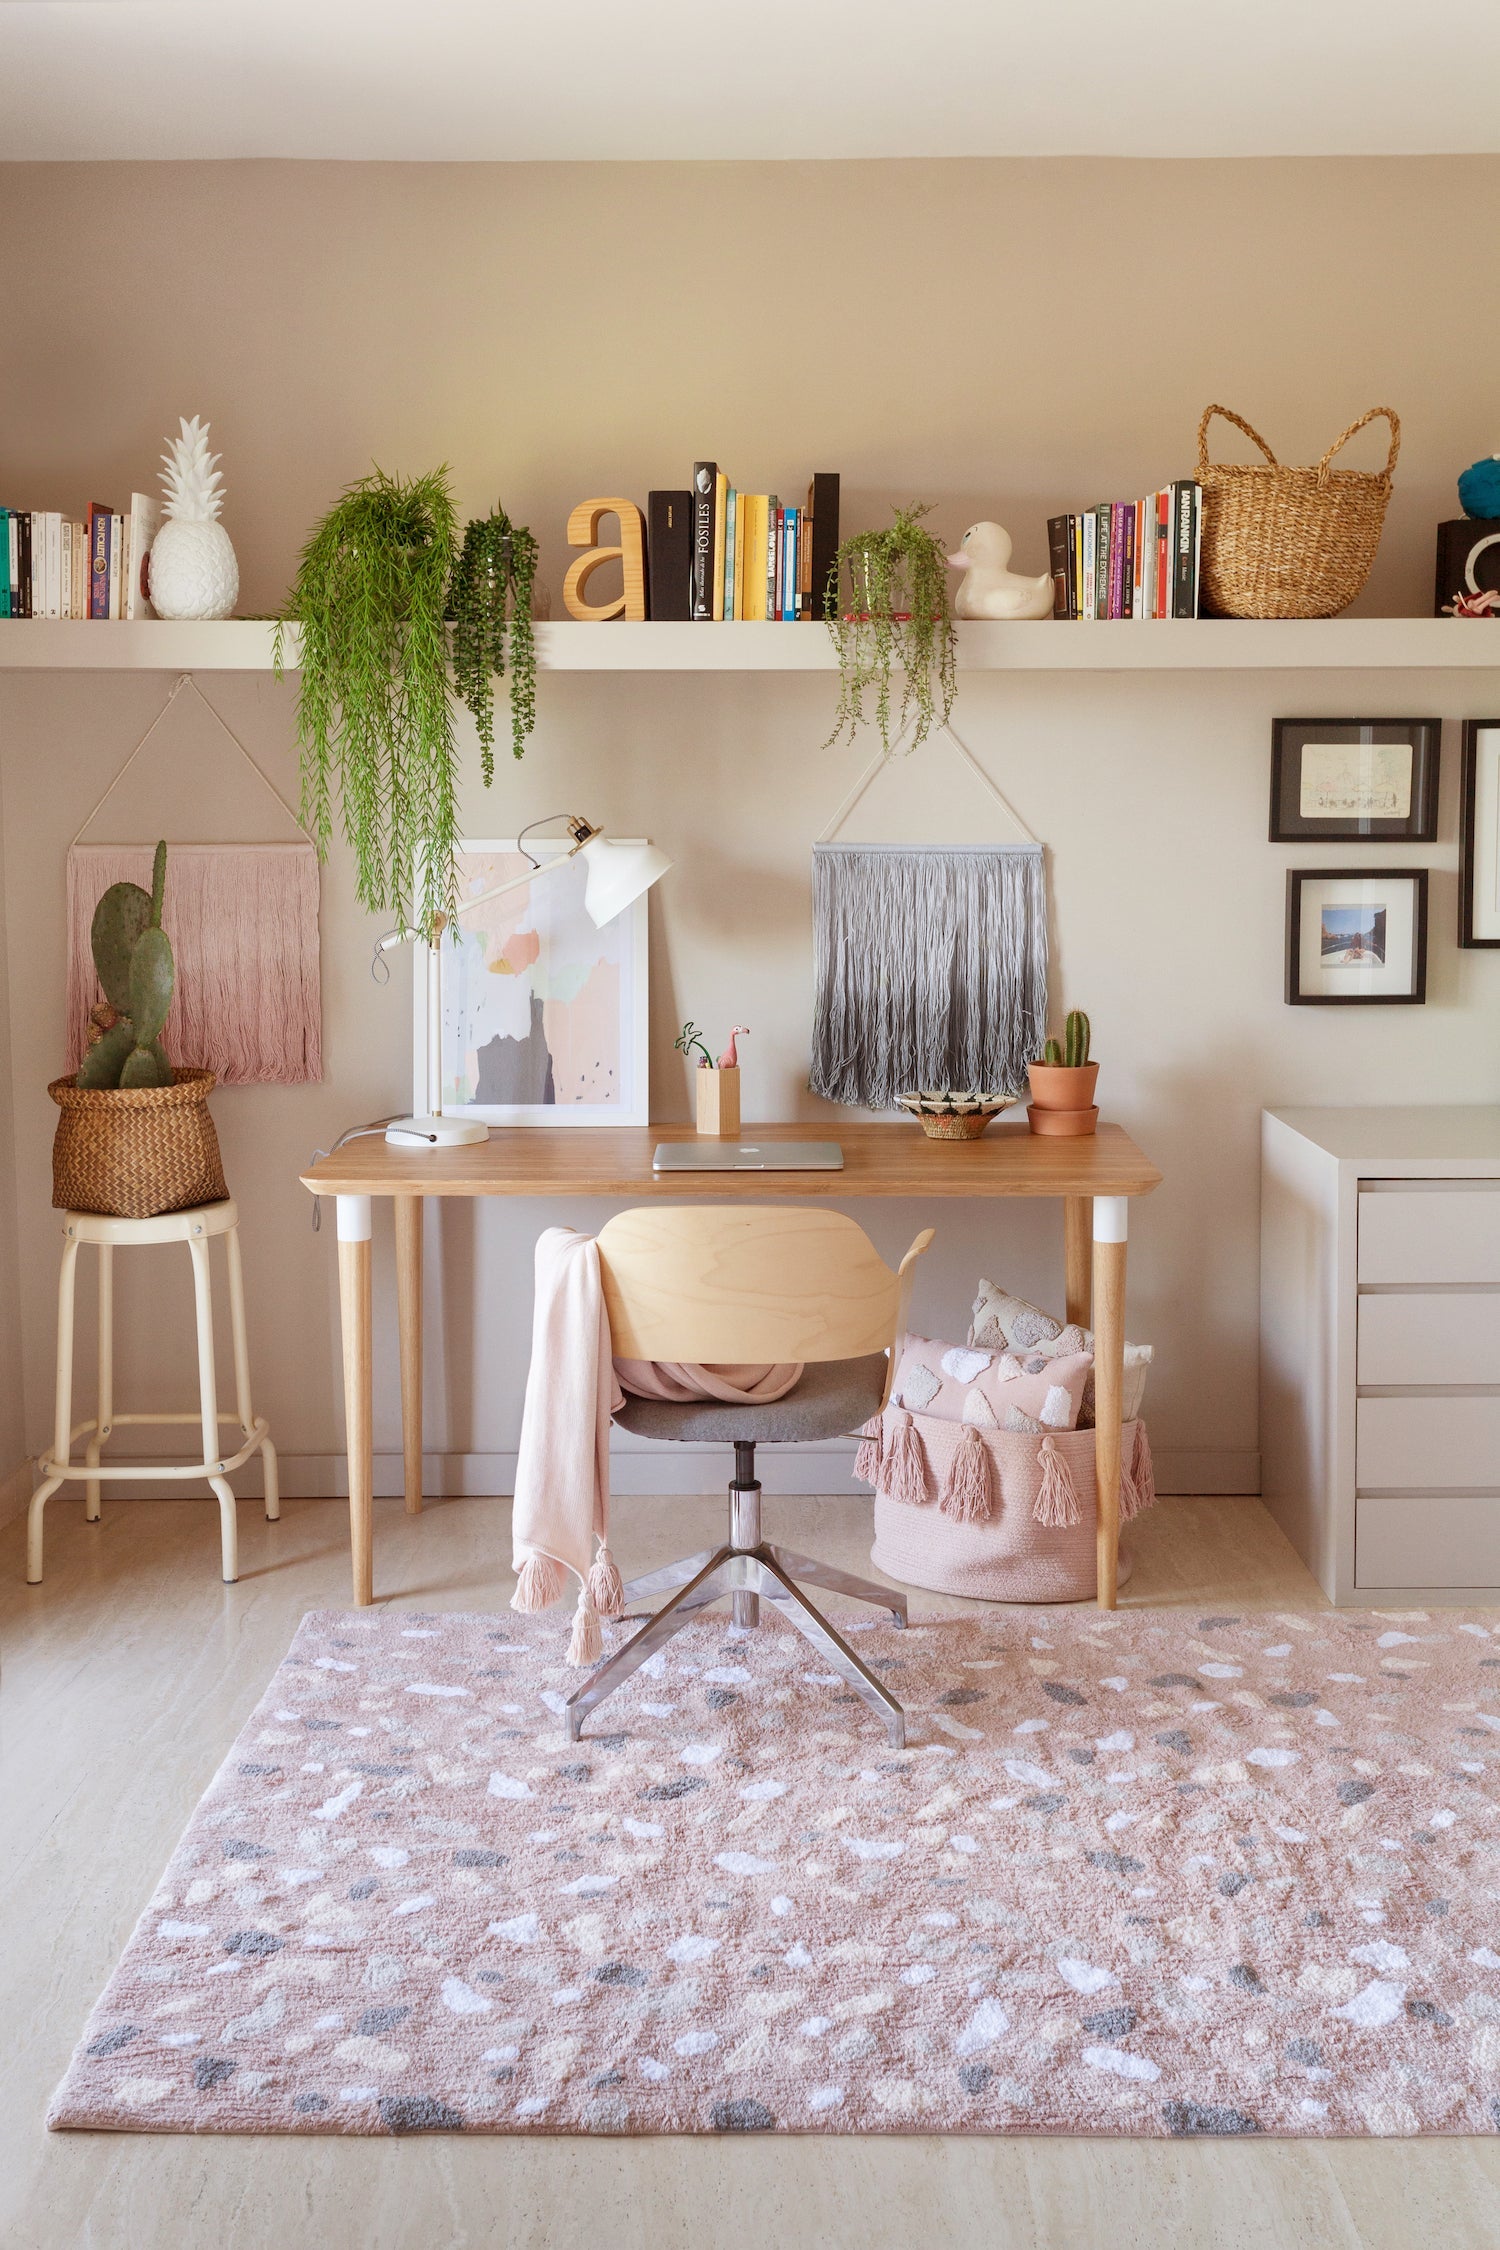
994 1390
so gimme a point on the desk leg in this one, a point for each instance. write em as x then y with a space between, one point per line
1078 1227
409 1315
1110 1216
354 1308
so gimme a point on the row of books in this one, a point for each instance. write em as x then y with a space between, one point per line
1129 558
51 566
716 553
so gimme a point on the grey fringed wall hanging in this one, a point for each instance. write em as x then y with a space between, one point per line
930 961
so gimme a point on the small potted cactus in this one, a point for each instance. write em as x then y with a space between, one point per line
134 1138
1062 1083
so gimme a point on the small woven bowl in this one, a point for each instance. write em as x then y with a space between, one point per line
947 1116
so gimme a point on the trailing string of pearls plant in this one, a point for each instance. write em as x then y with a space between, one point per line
374 588
888 610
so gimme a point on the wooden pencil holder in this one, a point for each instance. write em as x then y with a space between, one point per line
718 1093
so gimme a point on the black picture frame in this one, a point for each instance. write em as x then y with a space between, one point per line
1467 796
1296 880
1289 739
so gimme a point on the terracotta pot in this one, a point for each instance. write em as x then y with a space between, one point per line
1056 1086
1064 1124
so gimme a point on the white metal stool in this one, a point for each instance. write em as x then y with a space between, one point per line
195 1228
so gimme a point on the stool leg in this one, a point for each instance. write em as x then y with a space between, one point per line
62 1421
93 1490
242 1405
208 1406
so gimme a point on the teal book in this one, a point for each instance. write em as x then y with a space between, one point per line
731 513
4 562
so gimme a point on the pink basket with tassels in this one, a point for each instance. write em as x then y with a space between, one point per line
1000 1515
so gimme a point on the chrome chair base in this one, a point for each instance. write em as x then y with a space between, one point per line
747 1570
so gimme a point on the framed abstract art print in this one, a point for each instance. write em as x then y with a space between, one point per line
544 1014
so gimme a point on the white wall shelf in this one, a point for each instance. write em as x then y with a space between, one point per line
1212 645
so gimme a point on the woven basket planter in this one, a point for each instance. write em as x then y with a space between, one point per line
1036 1543
134 1152
1290 542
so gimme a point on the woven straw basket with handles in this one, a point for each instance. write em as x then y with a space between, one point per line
135 1152
1283 542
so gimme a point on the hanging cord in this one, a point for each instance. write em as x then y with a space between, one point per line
186 680
880 760
355 1133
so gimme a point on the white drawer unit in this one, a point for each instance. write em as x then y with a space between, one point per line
1380 1348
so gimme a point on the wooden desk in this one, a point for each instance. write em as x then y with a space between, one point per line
1094 1178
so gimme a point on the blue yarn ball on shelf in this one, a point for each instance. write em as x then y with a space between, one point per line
1479 488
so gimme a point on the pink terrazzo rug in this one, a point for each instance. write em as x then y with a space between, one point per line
1136 1874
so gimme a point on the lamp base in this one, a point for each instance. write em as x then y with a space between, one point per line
436 1132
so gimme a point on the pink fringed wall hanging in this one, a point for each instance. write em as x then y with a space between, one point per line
243 920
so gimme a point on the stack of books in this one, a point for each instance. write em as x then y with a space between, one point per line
716 554
53 567
1129 558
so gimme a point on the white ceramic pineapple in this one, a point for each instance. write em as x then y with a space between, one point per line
193 570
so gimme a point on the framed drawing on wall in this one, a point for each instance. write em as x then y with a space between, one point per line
544 1014
1356 936
1479 835
1366 779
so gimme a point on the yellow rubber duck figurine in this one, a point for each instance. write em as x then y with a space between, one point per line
989 587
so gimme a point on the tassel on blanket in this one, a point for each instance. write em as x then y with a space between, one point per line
605 1589
1056 1503
1138 1492
539 1585
904 1465
968 1489
867 1459
587 1645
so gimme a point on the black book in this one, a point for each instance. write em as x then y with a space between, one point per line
1183 574
705 476
23 566
669 554
823 544
1059 561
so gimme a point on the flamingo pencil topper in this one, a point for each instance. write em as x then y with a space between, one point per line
730 1059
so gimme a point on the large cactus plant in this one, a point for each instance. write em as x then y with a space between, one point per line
133 958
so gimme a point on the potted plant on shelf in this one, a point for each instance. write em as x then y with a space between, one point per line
888 610
134 1137
490 592
375 701
1062 1083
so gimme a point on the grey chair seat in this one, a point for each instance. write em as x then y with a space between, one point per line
832 1399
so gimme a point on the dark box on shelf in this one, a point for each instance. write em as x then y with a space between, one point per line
1468 560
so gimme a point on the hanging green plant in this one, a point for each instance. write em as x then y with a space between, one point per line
491 588
888 611
374 719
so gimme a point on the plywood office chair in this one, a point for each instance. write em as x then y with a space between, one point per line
719 1286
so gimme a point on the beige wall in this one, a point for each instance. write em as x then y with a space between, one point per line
1000 338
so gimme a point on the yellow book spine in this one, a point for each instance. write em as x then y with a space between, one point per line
755 559
721 497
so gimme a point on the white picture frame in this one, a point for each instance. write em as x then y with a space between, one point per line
537 1000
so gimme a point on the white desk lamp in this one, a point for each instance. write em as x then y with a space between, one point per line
617 876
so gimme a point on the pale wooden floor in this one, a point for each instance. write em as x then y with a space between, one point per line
126 1676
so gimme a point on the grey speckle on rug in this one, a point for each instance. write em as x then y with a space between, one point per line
1139 1873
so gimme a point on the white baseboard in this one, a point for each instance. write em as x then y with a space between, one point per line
639 1467
636 1466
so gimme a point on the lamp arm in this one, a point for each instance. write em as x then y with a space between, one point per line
582 832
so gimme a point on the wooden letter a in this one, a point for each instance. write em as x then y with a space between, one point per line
583 530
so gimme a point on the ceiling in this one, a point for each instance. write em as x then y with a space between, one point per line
590 79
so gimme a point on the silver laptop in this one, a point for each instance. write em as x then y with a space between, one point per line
747 1156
